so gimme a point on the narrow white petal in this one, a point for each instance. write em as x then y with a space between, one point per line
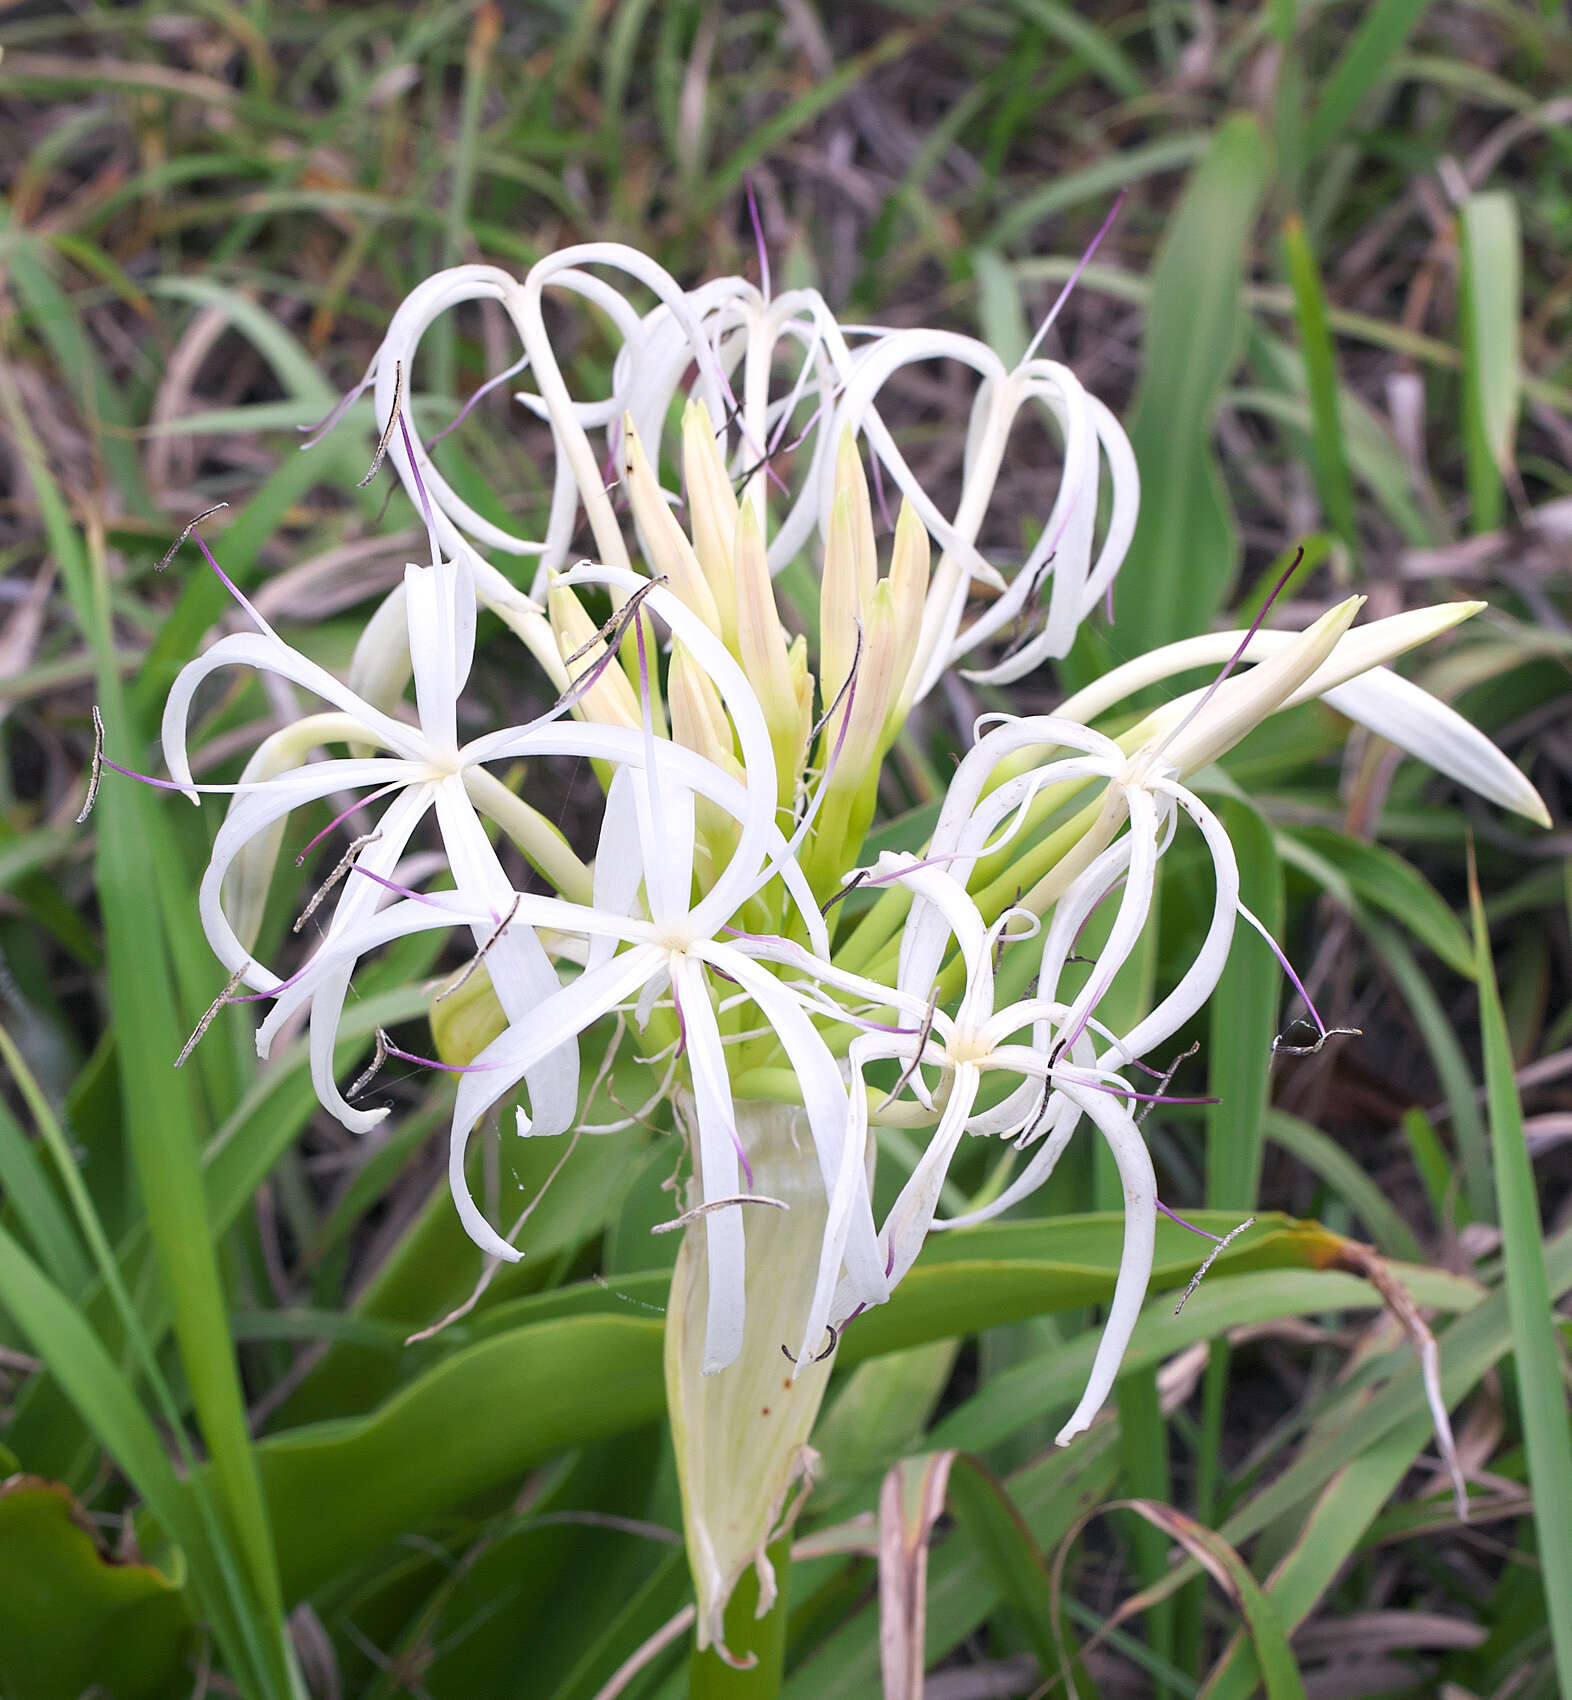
1124 1141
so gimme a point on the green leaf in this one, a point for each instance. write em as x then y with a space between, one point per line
1315 343
1000 1538
1345 1509
1536 1342
1363 63
1183 555
73 1619
1490 304
1278 1670
1242 1019
1329 1162
1381 877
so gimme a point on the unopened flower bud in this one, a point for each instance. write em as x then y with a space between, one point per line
610 699
669 553
712 513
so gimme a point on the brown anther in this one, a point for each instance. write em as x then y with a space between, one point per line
174 548
346 862
373 1068
835 1339
211 1016
1211 1258
717 1204
480 955
1165 1082
1281 1047
916 1062
857 879
97 771
389 428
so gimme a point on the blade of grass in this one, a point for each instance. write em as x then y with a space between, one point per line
160 1110
1183 555
1451 1066
1383 29
1315 345
1538 1351
1490 307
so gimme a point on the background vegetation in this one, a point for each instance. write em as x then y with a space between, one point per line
1334 309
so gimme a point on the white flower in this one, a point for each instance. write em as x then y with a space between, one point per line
424 771
647 844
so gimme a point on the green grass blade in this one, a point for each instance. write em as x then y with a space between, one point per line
1243 1020
1315 345
1363 63
1183 556
1344 1511
1490 305
1451 1066
1537 1346
160 1109
1326 1159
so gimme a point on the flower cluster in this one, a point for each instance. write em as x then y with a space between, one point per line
725 910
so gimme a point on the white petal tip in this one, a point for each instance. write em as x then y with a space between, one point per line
1077 1425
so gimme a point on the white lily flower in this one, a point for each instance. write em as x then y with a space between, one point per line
424 770
739 342
674 947
1048 1043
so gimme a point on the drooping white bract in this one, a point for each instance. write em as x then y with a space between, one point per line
645 860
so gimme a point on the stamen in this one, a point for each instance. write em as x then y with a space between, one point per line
387 430
480 955
342 406
847 694
717 1204
403 890
174 548
1281 1047
360 803
346 862
758 236
1234 659
861 877
1070 283
489 385
1211 1258
372 1069
420 487
230 585
211 1016
916 1062
1323 1032
835 1339
1167 1080
97 771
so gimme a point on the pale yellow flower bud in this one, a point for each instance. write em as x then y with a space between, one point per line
761 648
698 718
670 554
741 1434
909 563
611 699
712 513
839 601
